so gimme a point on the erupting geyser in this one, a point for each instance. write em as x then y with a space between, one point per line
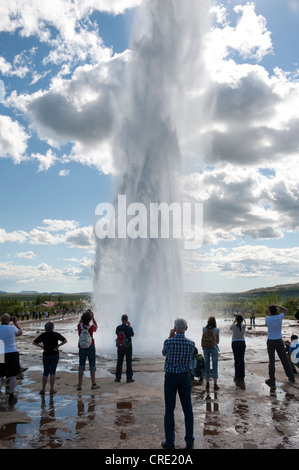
147 276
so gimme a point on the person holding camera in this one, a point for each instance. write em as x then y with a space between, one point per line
178 351
275 343
239 346
87 350
9 362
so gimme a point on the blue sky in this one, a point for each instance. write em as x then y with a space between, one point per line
61 69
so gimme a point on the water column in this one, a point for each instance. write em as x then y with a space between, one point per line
148 285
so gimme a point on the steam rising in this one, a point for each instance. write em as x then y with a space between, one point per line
146 273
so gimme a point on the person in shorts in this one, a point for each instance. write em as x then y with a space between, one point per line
50 341
9 355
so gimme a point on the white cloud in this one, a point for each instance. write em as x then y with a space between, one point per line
42 274
113 6
247 174
26 255
251 261
249 38
99 155
13 139
17 236
240 202
64 25
64 172
57 225
78 238
83 110
17 69
245 261
255 112
81 238
41 237
45 161
34 17
66 232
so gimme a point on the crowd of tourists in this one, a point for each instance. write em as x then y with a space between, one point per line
183 363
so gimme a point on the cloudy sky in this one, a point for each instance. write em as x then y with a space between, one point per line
61 69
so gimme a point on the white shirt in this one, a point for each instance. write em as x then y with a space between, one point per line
8 335
274 324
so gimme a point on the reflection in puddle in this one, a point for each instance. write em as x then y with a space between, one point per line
47 427
53 422
8 431
124 416
85 413
241 413
211 425
56 420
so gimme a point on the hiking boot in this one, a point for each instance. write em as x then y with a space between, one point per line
94 386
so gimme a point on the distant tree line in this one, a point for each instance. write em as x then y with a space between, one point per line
15 305
258 305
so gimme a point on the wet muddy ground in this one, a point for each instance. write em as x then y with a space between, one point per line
130 415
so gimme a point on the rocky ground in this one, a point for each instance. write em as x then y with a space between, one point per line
130 415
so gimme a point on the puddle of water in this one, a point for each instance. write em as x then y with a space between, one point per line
54 420
124 415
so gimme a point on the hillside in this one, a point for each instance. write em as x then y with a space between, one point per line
285 291
281 287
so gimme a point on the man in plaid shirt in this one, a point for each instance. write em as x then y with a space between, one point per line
178 351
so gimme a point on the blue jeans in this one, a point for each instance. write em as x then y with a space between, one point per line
180 383
208 354
90 354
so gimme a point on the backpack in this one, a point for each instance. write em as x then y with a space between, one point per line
122 341
198 365
208 340
85 339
